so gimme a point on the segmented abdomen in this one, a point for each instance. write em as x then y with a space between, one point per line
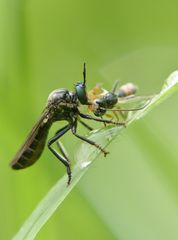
33 146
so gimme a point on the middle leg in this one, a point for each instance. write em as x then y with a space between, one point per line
74 128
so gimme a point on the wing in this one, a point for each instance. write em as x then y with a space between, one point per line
128 106
31 150
131 102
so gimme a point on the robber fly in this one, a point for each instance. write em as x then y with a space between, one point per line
62 105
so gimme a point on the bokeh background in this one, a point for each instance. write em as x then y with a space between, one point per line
133 193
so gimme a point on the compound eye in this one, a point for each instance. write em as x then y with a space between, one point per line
81 93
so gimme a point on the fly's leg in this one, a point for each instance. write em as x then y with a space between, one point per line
74 128
61 146
116 115
85 125
62 150
101 120
61 158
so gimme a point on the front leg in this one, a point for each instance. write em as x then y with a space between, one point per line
85 125
86 116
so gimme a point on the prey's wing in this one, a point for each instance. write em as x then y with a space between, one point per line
128 106
34 144
133 100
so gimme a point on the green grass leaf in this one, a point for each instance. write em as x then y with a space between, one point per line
85 155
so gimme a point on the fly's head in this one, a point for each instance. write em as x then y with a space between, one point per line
81 93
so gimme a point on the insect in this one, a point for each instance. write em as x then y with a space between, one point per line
103 101
63 105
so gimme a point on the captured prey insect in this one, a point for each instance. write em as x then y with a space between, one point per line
61 105
104 101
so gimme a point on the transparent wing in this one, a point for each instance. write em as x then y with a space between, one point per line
128 106
133 101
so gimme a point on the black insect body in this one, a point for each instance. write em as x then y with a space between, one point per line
108 101
61 105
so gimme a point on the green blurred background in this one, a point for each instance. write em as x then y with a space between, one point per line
133 193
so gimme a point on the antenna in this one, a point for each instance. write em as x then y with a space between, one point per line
115 86
84 73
